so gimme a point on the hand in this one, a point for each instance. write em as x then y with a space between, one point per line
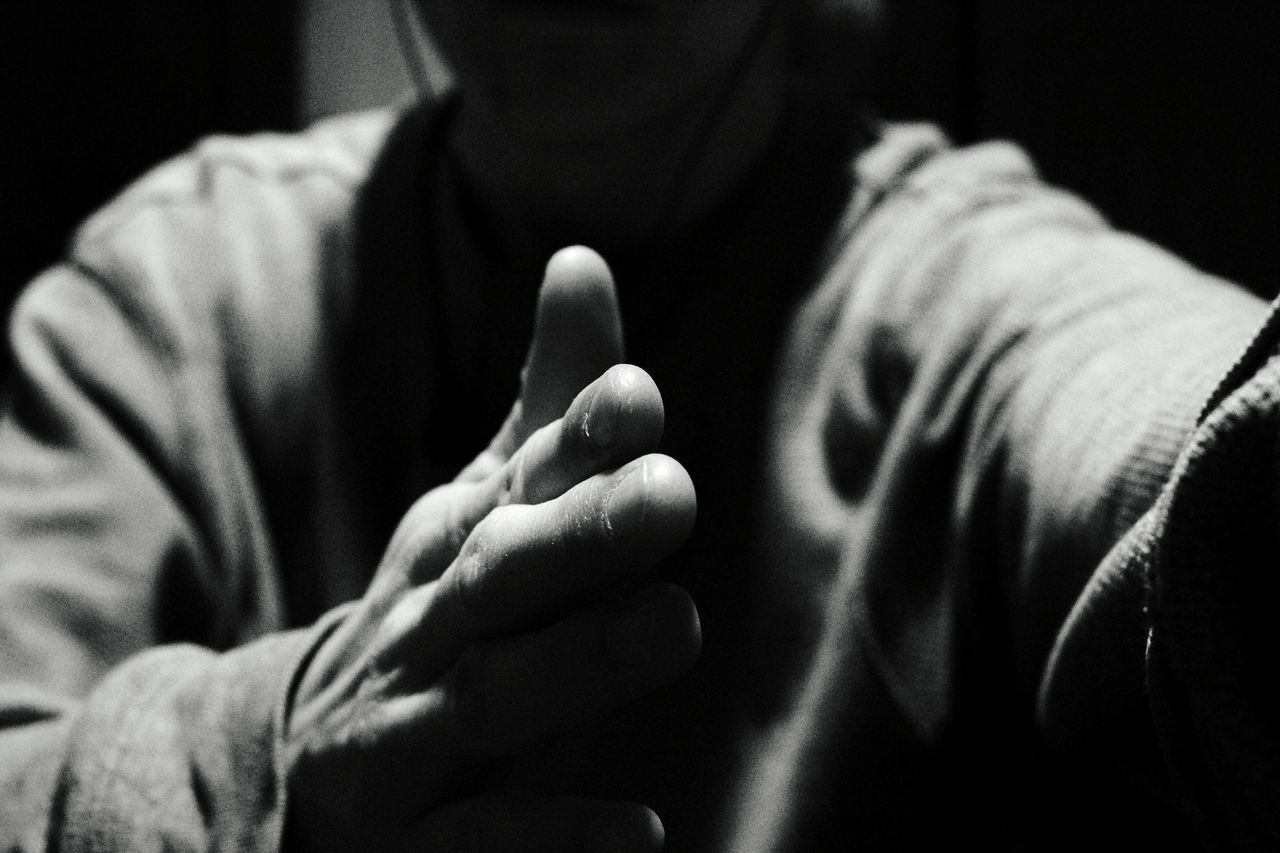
510 606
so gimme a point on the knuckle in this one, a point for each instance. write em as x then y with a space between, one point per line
399 628
474 568
409 530
443 518
420 526
427 510
535 471
489 529
456 528
512 478
468 576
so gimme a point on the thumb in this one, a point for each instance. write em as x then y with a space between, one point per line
577 335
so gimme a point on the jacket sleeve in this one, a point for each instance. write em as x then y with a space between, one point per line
1046 380
1178 617
142 667
165 525
981 409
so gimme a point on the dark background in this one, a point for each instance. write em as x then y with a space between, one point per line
1164 114
96 93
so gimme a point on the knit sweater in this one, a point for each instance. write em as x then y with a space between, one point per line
984 484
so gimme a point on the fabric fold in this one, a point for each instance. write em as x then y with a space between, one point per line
178 749
1212 586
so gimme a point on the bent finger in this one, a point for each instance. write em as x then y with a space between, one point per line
509 821
507 695
613 420
616 418
526 566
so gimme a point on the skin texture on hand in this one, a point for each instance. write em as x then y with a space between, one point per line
511 606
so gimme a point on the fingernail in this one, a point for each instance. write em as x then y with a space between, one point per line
636 831
601 424
629 637
628 502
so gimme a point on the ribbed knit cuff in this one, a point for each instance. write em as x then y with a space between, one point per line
180 748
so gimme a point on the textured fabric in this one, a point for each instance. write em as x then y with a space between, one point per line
980 508
988 390
165 373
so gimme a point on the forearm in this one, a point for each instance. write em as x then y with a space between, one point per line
1175 622
1095 405
1041 367
176 748
1113 515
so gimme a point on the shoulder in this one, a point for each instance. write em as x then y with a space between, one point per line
915 165
274 190
234 237
919 199
221 262
936 238
337 152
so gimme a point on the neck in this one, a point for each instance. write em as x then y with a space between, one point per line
627 186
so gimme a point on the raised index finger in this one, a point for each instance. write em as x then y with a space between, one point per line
577 334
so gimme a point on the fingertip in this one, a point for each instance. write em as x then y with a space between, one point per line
632 828
623 409
654 833
656 635
628 380
577 335
574 262
653 497
672 499
578 283
678 636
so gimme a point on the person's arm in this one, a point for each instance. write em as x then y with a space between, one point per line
512 605
1042 366
988 392
132 509
123 527
137 709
